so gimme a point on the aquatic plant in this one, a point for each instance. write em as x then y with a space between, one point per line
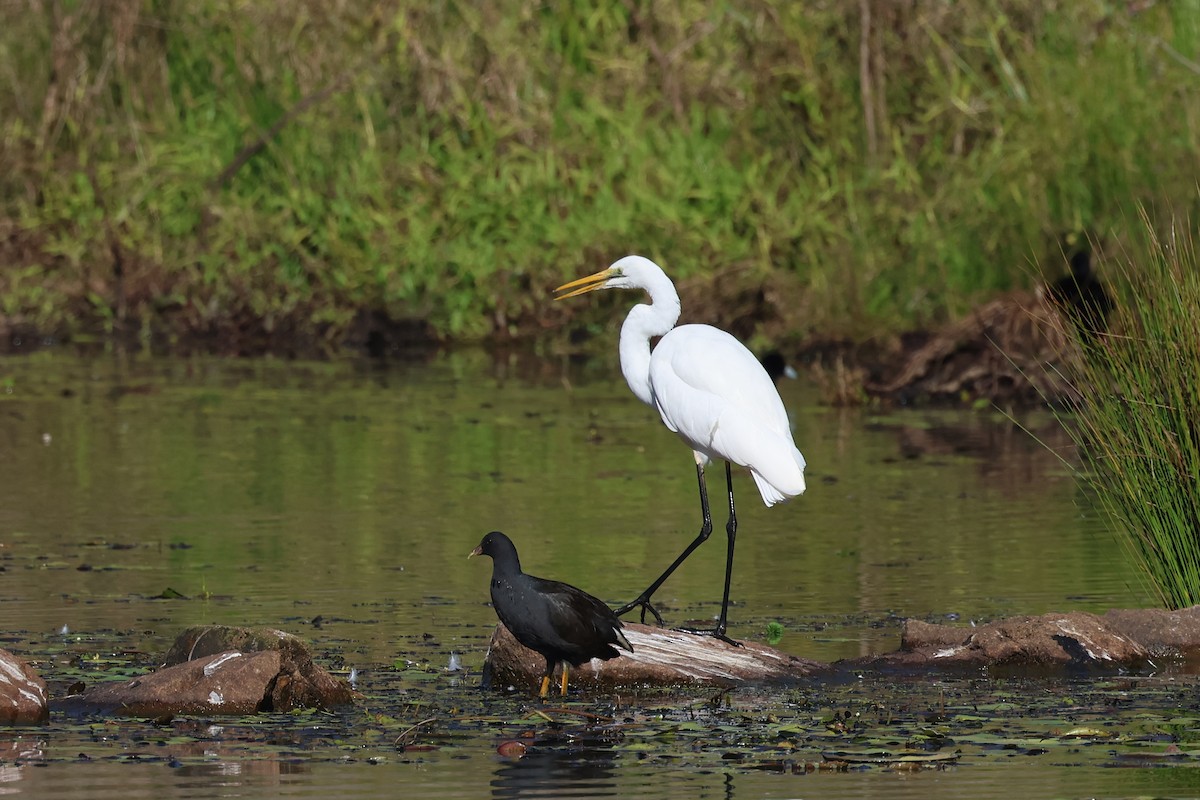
1138 427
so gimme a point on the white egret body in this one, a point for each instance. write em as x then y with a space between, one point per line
710 390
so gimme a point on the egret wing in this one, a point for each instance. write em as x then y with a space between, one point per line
714 393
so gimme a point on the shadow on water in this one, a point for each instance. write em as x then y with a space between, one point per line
339 500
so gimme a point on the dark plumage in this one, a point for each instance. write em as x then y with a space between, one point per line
776 366
1083 296
563 623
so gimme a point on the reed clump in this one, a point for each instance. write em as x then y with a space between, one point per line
1138 424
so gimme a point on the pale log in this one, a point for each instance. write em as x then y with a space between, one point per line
660 657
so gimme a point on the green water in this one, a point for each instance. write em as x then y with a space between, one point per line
339 500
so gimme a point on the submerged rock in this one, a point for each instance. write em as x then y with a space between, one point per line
206 640
224 670
226 683
1162 632
22 692
660 657
1075 639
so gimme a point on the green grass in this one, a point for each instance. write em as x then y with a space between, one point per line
239 170
1139 424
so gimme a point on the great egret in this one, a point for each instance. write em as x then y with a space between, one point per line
711 391
563 623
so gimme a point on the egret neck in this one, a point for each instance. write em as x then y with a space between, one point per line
643 322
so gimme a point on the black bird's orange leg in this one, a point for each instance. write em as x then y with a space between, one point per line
546 678
643 599
545 690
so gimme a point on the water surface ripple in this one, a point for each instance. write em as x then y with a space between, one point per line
339 500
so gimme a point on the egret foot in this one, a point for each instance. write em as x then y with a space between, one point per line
644 604
716 634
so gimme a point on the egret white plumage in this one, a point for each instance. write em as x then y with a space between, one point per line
711 391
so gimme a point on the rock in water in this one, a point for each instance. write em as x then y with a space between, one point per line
230 671
22 692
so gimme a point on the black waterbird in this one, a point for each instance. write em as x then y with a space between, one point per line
1083 296
777 366
563 623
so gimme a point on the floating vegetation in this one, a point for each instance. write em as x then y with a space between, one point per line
880 722
875 722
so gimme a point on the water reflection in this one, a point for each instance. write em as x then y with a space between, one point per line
338 501
17 756
229 774
562 765
266 492
1012 457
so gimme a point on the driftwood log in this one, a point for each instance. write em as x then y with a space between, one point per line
660 657
1120 639
1009 350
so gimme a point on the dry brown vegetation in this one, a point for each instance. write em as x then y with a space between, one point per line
266 177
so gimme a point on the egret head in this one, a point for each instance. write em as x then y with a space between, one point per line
630 272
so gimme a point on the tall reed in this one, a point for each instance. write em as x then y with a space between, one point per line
1138 426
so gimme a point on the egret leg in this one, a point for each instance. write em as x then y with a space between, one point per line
643 599
731 536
